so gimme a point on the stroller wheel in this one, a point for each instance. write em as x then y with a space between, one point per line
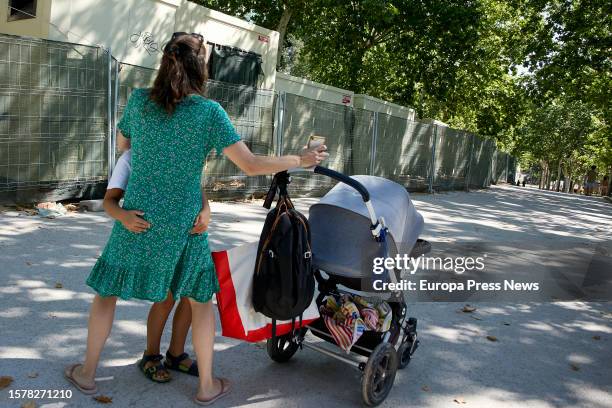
379 374
403 354
282 348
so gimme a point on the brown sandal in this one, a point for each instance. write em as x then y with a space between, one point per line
226 387
69 374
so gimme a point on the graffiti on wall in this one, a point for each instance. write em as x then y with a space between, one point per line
146 41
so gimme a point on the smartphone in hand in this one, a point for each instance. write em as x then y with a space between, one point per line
315 141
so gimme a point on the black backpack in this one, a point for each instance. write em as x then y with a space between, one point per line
283 284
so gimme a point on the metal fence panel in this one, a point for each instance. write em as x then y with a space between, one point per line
360 148
500 169
53 114
511 178
305 117
131 77
481 163
451 160
403 151
251 111
59 105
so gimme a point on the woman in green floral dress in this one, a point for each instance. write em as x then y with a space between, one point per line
171 128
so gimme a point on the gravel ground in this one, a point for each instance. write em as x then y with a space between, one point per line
548 354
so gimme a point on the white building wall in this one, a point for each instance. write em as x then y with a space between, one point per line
136 30
313 90
222 29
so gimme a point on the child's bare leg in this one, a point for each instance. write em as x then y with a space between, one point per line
156 321
101 317
158 316
180 329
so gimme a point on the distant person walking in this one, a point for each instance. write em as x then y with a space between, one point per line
605 182
589 183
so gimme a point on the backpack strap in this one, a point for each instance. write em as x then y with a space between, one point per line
273 329
279 182
302 334
271 194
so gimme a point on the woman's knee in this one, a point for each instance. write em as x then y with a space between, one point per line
199 305
106 300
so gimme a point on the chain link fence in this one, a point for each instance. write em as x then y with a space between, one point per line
60 102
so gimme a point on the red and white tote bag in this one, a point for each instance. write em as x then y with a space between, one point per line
239 319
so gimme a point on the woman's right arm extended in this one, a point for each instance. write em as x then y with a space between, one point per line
254 165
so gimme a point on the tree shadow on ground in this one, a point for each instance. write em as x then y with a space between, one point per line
547 354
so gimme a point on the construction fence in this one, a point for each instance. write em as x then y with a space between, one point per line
60 102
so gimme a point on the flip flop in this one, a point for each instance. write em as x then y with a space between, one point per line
226 387
69 375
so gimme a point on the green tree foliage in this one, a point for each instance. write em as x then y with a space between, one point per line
568 57
451 60
513 70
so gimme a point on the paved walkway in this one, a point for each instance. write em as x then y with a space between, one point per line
548 354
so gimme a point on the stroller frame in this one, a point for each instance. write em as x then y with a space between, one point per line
395 347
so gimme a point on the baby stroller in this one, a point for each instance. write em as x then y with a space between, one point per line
361 218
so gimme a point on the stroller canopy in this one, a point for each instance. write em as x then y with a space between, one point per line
342 242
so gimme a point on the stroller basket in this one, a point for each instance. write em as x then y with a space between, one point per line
364 346
370 338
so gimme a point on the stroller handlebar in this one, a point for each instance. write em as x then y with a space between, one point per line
365 195
343 178
324 171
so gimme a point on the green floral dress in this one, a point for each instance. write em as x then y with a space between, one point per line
168 153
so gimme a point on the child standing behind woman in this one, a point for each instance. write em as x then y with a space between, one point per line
176 358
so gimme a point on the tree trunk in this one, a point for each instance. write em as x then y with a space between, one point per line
548 174
282 31
355 69
569 187
542 176
558 183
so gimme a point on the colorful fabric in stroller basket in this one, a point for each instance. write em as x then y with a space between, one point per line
348 317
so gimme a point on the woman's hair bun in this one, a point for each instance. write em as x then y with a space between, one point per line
183 71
